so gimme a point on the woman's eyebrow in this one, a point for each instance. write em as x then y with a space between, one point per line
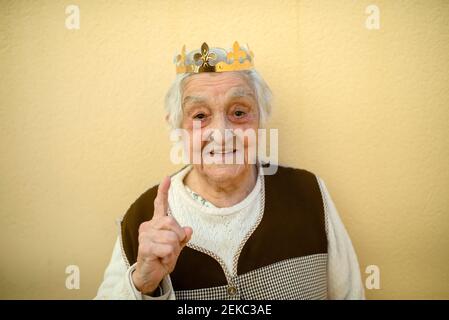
193 99
240 93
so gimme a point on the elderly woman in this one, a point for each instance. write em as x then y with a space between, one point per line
221 230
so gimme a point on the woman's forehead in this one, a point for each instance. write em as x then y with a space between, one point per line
234 83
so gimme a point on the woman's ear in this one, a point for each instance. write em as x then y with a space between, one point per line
166 117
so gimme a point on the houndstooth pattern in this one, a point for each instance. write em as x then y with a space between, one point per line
214 293
301 278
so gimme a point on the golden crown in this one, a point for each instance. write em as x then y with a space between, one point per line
214 59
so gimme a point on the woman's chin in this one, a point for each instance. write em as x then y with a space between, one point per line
222 172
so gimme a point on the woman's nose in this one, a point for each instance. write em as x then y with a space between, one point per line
221 129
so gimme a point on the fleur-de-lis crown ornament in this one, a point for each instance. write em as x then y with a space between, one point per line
214 59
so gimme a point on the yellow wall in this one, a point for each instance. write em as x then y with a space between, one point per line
82 131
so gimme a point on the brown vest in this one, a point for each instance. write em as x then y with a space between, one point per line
289 246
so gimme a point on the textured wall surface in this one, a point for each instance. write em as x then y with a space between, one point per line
82 131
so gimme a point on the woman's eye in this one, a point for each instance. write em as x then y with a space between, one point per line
239 113
200 116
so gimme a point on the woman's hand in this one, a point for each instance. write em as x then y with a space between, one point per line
160 242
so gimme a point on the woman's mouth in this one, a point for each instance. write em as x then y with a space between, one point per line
223 152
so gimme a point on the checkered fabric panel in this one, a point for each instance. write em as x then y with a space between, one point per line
214 293
301 278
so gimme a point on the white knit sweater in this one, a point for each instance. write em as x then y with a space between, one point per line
222 232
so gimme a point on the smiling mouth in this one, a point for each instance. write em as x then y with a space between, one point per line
224 152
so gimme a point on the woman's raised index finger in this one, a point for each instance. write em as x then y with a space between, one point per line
161 201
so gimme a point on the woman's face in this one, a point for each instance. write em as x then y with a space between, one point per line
220 102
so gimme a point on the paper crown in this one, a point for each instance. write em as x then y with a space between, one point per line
214 59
